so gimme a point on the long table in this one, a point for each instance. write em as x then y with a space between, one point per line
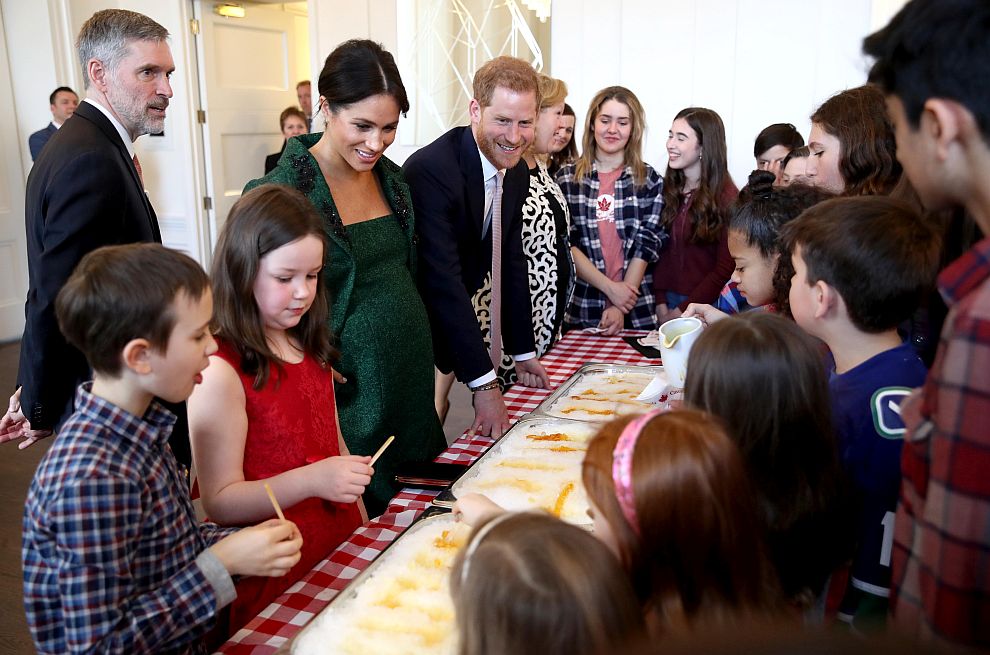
281 620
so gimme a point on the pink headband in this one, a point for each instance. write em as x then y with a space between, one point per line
622 458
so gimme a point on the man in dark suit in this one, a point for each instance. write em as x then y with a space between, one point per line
86 191
63 101
458 183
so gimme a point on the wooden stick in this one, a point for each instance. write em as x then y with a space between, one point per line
388 442
271 496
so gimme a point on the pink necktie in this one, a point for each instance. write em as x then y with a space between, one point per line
496 306
137 165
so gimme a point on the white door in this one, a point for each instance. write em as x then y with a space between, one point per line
13 248
248 72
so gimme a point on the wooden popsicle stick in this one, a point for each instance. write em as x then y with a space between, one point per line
271 496
388 442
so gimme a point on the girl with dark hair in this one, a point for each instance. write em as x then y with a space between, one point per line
853 151
615 202
773 144
376 312
264 413
530 583
786 440
563 147
698 193
754 243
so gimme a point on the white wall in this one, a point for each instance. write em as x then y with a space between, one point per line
755 62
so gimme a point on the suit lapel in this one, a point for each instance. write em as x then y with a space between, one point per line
95 116
473 180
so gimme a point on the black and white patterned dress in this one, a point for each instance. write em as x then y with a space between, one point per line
545 228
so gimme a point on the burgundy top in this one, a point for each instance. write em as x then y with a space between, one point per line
697 270
289 426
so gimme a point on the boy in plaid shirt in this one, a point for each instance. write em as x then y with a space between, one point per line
114 558
932 61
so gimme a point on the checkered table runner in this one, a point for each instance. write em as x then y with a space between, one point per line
281 620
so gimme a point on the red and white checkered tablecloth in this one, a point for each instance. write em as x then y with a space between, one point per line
281 620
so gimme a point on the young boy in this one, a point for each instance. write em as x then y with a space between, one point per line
860 267
114 558
929 61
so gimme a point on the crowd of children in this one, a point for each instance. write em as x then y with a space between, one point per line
816 470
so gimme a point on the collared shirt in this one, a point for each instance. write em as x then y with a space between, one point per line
124 136
488 173
637 220
941 551
114 558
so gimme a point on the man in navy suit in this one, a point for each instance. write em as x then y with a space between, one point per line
453 182
86 191
63 101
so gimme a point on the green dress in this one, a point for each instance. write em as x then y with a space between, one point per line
378 320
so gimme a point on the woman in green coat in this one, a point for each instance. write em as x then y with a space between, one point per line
377 315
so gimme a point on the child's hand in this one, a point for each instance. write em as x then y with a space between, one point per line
474 508
706 313
340 479
269 549
612 320
622 294
664 314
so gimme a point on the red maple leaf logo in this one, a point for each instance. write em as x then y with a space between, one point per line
604 205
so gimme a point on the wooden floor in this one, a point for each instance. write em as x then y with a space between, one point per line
17 469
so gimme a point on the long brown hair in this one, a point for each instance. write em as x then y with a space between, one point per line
699 558
785 436
709 210
868 151
264 219
535 584
632 156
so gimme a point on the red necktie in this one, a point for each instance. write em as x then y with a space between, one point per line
137 165
496 306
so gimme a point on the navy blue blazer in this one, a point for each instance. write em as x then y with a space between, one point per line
83 192
38 140
448 194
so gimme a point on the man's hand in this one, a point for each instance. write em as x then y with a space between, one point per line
612 321
622 294
532 374
490 415
14 425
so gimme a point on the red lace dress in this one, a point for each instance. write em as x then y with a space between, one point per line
289 426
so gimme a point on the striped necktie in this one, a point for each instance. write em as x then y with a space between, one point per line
496 306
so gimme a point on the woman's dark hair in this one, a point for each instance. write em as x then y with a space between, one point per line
709 212
785 435
358 69
569 152
778 134
868 151
264 219
762 209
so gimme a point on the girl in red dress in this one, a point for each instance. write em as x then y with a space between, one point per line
265 410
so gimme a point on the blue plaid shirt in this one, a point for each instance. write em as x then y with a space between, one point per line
114 558
637 220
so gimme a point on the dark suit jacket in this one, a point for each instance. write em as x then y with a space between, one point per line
271 161
448 194
38 140
83 192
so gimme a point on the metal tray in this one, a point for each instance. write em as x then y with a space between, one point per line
447 498
591 368
431 516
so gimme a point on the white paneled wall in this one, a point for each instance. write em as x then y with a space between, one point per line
755 62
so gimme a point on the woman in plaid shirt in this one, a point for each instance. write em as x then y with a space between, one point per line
615 199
